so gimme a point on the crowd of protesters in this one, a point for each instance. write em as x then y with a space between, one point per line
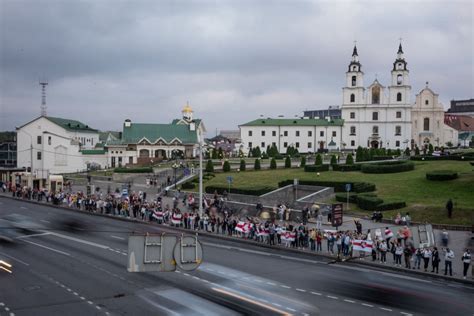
277 230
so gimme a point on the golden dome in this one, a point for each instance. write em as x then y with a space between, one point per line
187 109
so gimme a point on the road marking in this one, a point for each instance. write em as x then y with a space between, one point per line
90 243
286 286
186 274
195 277
82 298
98 307
301 290
259 281
408 314
75 293
117 237
45 221
33 235
49 248
333 297
270 283
349 301
24 208
276 304
291 309
385 309
316 293
90 302
13 258
368 305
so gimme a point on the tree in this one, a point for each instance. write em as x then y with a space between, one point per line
214 154
349 160
287 162
333 160
264 155
250 152
417 151
359 154
226 166
243 165
273 164
303 161
449 144
430 149
319 160
209 166
407 151
273 151
389 152
256 165
220 154
256 152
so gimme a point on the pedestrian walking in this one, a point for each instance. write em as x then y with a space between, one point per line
448 261
449 208
466 261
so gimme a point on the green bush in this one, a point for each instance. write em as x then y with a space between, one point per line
188 185
134 170
382 157
249 191
333 160
316 168
394 205
368 203
319 160
349 159
342 197
243 165
273 164
226 166
441 175
287 162
361 187
466 157
256 165
209 166
303 161
388 167
346 167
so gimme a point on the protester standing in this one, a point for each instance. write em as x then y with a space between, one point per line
466 260
448 261
435 260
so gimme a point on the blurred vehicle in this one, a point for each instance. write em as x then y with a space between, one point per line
8 232
23 223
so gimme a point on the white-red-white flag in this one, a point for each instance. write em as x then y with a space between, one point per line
176 218
243 227
158 215
362 245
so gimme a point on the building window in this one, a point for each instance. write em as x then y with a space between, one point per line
353 97
285 133
376 95
333 133
263 145
353 143
274 144
399 79
274 133
38 140
427 102
426 124
49 140
353 131
354 81
321 133
397 143
263 133
310 133
297 133
250 133
250 144
309 145
399 97
375 116
297 145
285 144
375 130
399 114
38 155
353 115
398 130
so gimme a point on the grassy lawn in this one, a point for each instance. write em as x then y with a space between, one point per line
425 199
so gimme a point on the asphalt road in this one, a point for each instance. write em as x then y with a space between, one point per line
83 272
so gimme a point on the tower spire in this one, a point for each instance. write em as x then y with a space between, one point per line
354 52
43 83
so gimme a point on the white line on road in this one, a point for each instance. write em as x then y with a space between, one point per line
407 314
291 309
90 243
49 248
45 221
385 309
368 305
349 301
23 207
33 235
90 302
13 258
270 283
333 297
117 237
301 290
276 304
316 293
286 286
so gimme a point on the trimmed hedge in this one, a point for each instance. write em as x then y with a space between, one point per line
338 186
466 157
346 167
188 185
251 191
388 167
134 170
316 168
342 197
394 205
441 175
368 203
382 157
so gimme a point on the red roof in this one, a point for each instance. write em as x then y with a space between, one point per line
460 122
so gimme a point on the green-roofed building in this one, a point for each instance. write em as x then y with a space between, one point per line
142 143
305 134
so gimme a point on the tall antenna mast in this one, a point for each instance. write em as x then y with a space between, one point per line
43 84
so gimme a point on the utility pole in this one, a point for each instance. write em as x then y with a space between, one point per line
200 177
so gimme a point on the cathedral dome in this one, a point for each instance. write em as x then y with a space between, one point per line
187 109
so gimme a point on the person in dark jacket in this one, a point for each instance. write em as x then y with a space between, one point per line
435 260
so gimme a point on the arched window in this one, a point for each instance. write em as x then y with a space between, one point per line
399 97
352 98
399 79
354 81
376 95
426 124
375 129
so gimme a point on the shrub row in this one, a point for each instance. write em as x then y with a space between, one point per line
346 167
250 191
466 157
316 168
394 205
134 170
441 175
388 167
338 186
369 203
188 185
382 157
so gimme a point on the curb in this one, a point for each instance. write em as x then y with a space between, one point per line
350 261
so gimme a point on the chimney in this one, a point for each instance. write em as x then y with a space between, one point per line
128 123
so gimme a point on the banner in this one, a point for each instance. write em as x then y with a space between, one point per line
288 236
243 227
362 245
176 218
158 215
388 233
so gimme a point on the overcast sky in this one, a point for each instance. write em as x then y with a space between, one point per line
106 61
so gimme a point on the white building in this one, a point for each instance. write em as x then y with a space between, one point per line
376 117
428 125
51 145
306 135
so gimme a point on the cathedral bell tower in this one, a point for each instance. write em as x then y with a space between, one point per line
353 92
400 88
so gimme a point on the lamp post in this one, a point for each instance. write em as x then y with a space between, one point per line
200 178
31 156
175 167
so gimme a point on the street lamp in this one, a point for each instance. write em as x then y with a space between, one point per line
175 167
31 155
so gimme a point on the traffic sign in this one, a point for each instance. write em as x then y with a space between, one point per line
336 216
188 253
348 187
230 179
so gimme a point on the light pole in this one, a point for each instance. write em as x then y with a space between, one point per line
31 156
200 178
175 167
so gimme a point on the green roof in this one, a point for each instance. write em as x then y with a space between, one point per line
153 132
71 125
294 122
93 151
103 136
